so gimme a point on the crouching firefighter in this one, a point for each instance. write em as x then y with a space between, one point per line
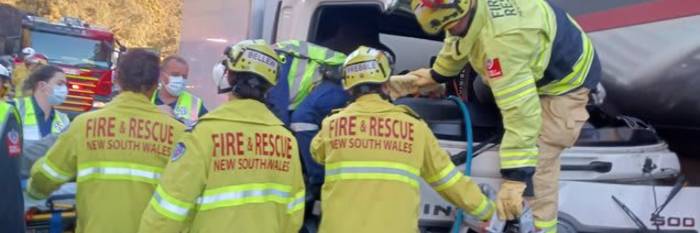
375 153
238 168
540 67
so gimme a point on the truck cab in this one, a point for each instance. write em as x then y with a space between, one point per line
343 25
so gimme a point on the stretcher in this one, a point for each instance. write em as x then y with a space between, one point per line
56 214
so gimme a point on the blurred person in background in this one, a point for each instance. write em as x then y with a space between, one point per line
173 97
23 67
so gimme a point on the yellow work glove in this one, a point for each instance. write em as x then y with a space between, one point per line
509 201
402 85
424 79
415 82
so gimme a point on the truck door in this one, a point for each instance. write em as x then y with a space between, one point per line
297 17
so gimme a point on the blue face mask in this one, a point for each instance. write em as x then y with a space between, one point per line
58 95
176 85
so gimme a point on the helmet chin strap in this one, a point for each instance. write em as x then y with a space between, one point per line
224 90
233 85
470 13
333 73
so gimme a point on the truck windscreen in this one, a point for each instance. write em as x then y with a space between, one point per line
73 51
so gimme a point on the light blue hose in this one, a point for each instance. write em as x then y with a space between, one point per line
468 163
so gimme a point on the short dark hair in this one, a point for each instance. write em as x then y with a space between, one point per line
366 89
248 85
170 58
41 73
138 70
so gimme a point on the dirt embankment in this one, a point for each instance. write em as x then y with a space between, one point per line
136 23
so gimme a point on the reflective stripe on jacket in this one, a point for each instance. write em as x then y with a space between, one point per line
116 155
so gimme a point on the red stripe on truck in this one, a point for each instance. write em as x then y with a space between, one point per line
636 14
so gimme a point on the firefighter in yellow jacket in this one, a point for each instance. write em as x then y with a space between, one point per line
115 154
238 169
540 66
375 153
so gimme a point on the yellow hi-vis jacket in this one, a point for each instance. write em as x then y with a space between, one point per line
116 155
521 49
237 170
374 154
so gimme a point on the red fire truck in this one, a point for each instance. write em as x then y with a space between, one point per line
85 52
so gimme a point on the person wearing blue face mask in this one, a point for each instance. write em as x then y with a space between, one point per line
172 97
44 89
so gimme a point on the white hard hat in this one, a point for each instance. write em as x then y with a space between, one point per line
28 51
4 72
218 74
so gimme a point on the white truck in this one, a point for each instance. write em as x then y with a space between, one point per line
618 157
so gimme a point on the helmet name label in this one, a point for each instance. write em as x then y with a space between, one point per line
361 67
261 58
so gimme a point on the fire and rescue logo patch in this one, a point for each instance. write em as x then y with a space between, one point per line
178 152
493 66
13 143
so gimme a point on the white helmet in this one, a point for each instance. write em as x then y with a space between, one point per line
4 72
220 79
28 52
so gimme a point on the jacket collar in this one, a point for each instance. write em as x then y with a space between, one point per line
371 103
244 110
133 100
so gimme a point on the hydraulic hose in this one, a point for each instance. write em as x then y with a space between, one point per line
459 217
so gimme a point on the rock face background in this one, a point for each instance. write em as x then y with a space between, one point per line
152 24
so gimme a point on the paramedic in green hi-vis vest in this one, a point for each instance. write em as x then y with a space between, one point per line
44 88
172 96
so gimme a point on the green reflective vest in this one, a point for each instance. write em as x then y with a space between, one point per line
304 73
30 123
187 107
